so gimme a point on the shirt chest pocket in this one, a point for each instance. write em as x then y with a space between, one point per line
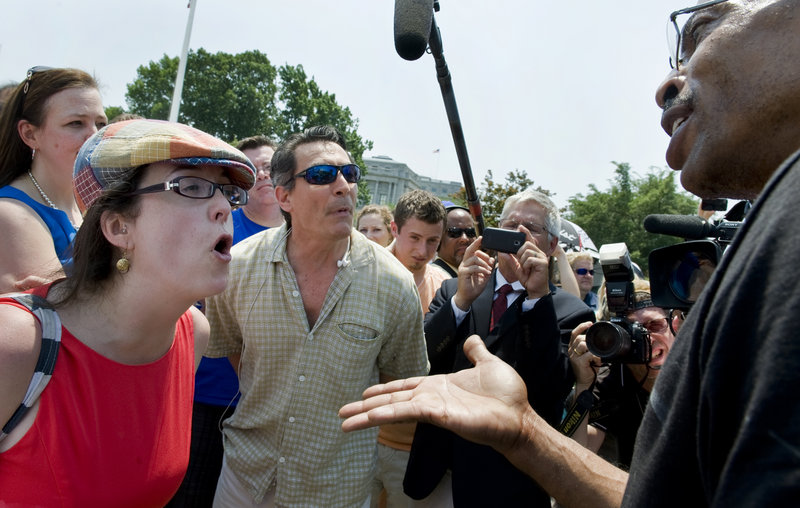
355 331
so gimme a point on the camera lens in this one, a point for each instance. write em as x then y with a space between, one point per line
607 340
689 276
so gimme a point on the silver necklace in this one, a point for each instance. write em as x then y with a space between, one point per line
41 192
47 199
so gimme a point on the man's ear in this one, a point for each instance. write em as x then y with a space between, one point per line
117 229
27 133
552 247
395 229
284 198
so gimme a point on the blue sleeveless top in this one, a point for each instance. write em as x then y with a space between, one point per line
61 229
215 381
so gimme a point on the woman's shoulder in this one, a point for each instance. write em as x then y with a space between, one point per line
29 245
17 209
20 342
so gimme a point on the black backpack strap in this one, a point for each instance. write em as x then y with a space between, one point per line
51 342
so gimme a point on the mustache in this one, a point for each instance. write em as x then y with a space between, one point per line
676 99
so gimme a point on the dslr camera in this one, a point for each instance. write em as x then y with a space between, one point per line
619 339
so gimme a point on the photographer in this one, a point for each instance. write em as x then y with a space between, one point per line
621 390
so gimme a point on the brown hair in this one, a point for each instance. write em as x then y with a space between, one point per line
381 210
256 142
422 205
94 257
29 102
284 162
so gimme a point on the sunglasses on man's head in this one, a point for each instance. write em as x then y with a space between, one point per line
584 271
326 173
457 232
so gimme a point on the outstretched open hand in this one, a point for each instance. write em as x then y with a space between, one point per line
485 404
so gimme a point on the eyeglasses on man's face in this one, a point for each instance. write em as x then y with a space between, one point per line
658 325
535 229
327 173
676 319
198 188
681 35
584 271
457 232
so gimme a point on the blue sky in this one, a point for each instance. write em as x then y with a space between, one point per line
558 89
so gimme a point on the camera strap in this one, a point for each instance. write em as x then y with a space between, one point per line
577 412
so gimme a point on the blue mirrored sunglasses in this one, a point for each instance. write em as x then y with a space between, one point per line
584 271
326 173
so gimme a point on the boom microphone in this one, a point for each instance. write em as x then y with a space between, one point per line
690 227
412 27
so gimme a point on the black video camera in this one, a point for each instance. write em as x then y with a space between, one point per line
679 273
618 339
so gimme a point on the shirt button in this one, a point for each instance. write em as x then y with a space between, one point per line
302 378
291 419
295 293
282 460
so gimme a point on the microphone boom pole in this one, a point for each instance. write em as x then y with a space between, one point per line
446 85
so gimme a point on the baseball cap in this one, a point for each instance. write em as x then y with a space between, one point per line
124 146
449 205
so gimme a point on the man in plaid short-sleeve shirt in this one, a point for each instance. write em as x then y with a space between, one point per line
314 313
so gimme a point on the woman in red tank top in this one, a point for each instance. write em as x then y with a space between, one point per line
112 427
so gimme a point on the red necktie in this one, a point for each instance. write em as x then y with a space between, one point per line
500 304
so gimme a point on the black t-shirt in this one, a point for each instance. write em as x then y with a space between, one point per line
723 424
619 405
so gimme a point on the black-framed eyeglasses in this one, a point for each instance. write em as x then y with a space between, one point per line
676 31
198 188
658 325
535 229
676 313
584 271
326 173
457 232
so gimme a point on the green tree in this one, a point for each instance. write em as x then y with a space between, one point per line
616 215
113 111
493 195
305 104
235 96
229 96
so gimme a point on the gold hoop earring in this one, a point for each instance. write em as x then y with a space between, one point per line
123 265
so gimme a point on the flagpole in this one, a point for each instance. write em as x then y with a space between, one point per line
178 92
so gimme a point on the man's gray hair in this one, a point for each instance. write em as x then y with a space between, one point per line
552 220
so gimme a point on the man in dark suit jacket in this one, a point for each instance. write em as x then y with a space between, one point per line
459 234
528 336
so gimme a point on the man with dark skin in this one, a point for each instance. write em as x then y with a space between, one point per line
459 235
720 427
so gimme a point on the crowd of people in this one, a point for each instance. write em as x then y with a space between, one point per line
271 344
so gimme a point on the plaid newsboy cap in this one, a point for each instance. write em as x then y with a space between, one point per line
124 146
